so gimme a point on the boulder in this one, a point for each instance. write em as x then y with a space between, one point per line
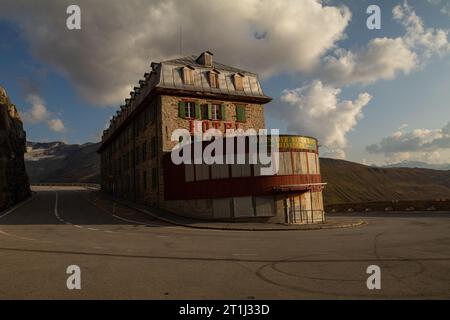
14 183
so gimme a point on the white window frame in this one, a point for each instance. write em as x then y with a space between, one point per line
189 109
216 111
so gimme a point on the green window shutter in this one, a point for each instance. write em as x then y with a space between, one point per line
240 113
181 109
224 111
198 111
209 111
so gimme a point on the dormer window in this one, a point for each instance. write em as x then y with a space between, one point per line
214 79
238 81
205 59
188 75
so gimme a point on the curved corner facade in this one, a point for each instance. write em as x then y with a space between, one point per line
187 93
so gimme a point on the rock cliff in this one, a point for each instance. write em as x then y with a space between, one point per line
14 183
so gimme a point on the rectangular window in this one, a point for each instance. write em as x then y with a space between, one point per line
144 179
238 82
216 112
204 111
144 151
240 113
189 109
137 156
188 76
154 178
213 79
154 147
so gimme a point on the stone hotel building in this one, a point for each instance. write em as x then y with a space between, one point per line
135 150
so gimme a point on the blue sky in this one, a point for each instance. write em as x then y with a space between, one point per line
416 99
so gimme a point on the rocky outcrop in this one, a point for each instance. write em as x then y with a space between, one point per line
14 183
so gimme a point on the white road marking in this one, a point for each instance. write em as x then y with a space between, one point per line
56 206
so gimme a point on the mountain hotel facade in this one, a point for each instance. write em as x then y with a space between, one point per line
136 148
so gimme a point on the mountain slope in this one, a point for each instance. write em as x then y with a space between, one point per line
352 182
59 162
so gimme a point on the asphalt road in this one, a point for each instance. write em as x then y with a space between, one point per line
127 255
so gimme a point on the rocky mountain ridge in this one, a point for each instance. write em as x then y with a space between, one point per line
14 182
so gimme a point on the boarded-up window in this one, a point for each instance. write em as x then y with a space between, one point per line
303 161
213 79
297 163
201 172
238 82
219 171
241 170
222 208
285 163
264 206
189 172
243 207
188 76
312 163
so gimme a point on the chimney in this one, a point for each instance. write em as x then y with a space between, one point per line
205 59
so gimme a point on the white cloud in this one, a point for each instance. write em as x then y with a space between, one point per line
113 49
446 9
384 58
317 110
56 125
38 113
419 144
434 2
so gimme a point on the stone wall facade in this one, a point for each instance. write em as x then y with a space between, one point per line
14 183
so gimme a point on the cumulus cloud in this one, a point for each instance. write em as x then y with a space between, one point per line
117 40
425 144
56 125
384 58
316 109
38 113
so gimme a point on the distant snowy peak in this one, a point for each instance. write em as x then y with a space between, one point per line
37 151
418 164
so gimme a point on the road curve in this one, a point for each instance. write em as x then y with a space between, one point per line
127 255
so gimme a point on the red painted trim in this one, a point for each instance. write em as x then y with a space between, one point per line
176 188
